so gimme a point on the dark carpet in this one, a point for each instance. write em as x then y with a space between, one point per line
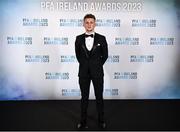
64 115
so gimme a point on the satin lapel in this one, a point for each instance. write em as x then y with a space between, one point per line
95 43
83 46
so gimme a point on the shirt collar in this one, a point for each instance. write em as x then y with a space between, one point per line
90 33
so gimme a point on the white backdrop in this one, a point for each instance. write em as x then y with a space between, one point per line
37 48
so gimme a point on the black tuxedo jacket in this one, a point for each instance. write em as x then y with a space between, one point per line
91 63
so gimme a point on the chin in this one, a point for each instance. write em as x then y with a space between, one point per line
89 30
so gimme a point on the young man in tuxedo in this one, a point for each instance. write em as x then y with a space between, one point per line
91 52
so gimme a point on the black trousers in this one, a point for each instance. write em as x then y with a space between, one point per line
98 89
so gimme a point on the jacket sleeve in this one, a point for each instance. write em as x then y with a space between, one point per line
104 51
77 49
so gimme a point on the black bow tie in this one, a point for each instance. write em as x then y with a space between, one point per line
91 35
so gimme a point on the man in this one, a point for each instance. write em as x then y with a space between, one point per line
91 52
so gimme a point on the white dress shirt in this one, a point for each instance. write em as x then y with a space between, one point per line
89 41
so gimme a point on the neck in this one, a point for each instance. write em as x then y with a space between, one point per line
90 32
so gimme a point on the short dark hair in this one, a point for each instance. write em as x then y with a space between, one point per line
89 16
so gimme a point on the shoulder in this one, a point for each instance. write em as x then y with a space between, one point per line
79 36
100 35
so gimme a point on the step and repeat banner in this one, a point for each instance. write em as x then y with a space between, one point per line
37 50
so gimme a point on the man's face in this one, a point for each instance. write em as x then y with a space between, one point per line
89 24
